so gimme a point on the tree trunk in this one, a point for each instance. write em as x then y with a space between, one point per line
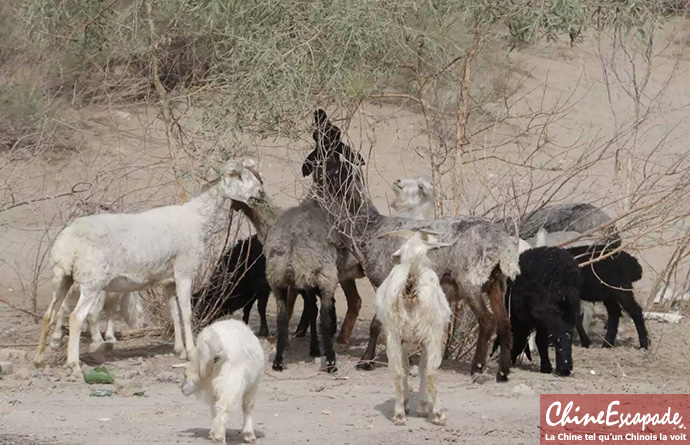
462 116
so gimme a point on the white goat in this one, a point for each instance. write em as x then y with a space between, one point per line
414 311
128 252
127 305
225 370
414 198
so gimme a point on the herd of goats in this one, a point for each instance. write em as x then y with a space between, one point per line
507 272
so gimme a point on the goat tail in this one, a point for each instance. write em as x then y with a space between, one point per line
132 309
509 263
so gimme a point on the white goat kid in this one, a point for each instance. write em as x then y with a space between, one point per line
414 311
128 252
127 305
225 371
414 198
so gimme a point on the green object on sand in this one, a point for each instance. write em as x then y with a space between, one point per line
98 375
101 392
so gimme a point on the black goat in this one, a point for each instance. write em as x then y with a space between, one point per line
610 280
239 280
328 143
545 297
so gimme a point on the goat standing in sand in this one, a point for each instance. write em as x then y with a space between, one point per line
128 252
225 371
414 311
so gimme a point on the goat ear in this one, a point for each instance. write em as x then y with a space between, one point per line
425 186
435 245
428 234
404 233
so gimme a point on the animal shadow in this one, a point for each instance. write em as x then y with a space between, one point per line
232 435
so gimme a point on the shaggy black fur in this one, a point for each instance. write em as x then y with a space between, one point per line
239 280
545 297
328 143
611 281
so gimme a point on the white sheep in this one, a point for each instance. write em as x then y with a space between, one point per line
128 252
414 198
225 371
127 305
414 311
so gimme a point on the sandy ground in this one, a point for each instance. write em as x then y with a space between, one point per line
301 405
305 405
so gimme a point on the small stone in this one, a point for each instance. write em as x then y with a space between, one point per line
101 392
129 389
6 368
522 390
168 377
326 412
15 355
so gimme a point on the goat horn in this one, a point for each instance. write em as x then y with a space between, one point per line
404 233
255 173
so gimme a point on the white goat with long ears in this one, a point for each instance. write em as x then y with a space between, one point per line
414 311
414 198
128 252
225 371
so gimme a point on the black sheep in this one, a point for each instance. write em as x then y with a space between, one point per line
610 281
328 143
545 297
239 280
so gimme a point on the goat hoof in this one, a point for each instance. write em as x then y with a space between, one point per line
343 340
263 332
277 366
438 418
55 343
501 377
563 372
38 361
299 333
399 419
314 352
365 365
330 366
607 344
249 437
478 378
545 370
180 353
217 438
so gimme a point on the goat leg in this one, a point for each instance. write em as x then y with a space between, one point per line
327 327
496 292
309 308
628 302
262 303
354 304
614 315
282 326
366 363
543 347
